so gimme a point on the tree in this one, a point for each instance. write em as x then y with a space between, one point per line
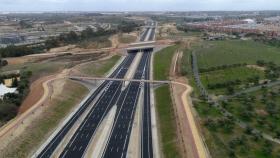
246 115
15 82
88 32
231 153
261 63
72 37
267 147
230 90
271 108
226 124
51 43
127 26
3 62
12 98
210 124
15 51
24 24
248 130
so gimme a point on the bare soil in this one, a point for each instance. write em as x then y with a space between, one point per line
188 141
36 92
256 67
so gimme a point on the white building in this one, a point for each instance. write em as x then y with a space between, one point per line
4 90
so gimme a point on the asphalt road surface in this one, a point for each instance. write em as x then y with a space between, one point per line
117 144
119 73
146 130
111 94
119 138
142 38
80 140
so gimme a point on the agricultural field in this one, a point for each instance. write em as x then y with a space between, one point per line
231 66
242 74
260 109
226 139
228 52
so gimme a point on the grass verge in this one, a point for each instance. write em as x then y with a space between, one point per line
228 52
162 62
167 123
40 129
165 112
99 68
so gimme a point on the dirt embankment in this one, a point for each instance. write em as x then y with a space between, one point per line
36 88
191 143
36 92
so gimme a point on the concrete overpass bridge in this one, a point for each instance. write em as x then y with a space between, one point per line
119 79
141 46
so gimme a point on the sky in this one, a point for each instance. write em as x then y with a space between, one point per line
137 5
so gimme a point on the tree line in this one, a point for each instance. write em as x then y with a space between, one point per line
222 67
66 38
272 71
11 101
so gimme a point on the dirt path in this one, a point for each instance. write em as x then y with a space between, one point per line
115 40
41 91
15 127
191 143
36 92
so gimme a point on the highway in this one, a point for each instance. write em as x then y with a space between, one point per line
79 141
117 144
119 138
111 94
144 35
146 130
52 145
118 73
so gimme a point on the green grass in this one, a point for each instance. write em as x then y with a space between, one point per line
230 74
162 62
241 73
218 141
213 54
41 127
38 68
99 68
205 110
167 122
217 53
269 124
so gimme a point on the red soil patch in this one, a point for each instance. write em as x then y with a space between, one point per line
35 94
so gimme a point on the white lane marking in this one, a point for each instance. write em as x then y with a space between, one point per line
80 148
74 148
64 153
73 141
